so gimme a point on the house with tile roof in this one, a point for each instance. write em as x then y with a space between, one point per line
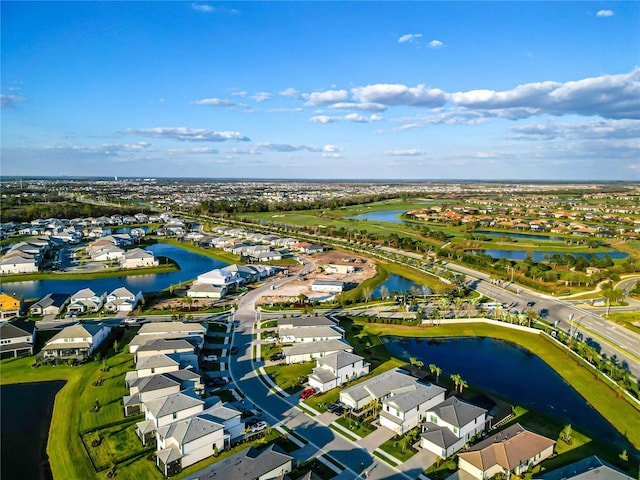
450 425
510 451
337 369
406 406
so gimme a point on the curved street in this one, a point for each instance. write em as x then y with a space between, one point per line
278 410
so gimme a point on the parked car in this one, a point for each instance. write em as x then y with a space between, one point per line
531 303
215 382
335 406
307 393
258 427
277 356
271 339
210 358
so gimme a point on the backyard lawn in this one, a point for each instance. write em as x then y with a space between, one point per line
290 378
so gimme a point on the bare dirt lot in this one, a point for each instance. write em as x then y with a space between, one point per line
332 265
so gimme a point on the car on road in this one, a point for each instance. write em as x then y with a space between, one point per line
308 393
277 356
270 340
531 303
258 427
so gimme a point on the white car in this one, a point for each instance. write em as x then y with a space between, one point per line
271 340
258 427
210 358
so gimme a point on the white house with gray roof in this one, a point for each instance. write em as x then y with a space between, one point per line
251 463
162 411
137 258
305 352
163 346
147 388
186 442
337 369
76 342
450 425
328 286
315 321
406 406
122 300
86 300
310 334
377 388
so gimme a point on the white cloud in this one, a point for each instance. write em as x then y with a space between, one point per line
214 102
404 152
292 93
327 97
323 119
435 44
187 134
410 38
239 93
332 148
397 94
192 151
331 155
594 130
262 96
604 13
356 117
367 107
202 7
8 101
286 110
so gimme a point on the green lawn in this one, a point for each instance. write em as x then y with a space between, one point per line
400 448
290 378
356 427
118 443
620 412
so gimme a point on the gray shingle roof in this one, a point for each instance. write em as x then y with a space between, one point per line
380 385
440 436
163 344
316 347
156 361
416 396
247 464
340 359
456 412
189 429
176 402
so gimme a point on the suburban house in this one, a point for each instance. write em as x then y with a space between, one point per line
159 363
590 468
10 305
137 258
17 339
76 342
163 346
304 352
337 369
315 321
86 300
105 253
450 425
510 451
221 278
18 263
230 418
122 300
186 442
327 286
308 248
205 290
147 388
310 334
377 388
251 463
192 332
51 304
406 406
163 411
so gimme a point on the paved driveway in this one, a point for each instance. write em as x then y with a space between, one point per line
377 438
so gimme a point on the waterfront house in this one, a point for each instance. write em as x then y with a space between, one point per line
377 388
77 342
186 442
590 468
17 339
137 258
251 463
122 300
510 451
163 411
406 406
51 304
450 425
147 388
304 352
315 321
86 300
310 334
204 290
337 369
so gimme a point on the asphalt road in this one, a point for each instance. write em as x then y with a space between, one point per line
279 410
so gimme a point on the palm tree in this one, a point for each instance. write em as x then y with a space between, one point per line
367 292
455 378
384 292
462 384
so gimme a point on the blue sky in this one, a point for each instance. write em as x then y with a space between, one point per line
415 90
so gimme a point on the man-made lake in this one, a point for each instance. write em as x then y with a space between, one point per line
539 256
191 265
26 411
396 283
524 236
390 216
511 372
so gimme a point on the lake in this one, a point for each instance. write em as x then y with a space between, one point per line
539 256
390 216
511 372
524 236
191 265
396 283
25 416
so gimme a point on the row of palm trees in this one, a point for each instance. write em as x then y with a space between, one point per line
458 381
